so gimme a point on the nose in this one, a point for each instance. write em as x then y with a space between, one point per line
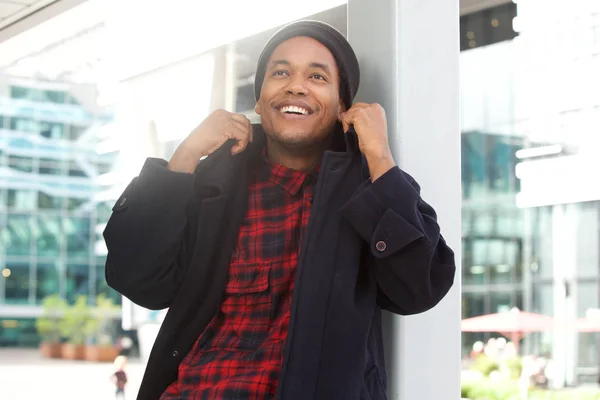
296 87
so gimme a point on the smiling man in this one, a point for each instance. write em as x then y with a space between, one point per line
276 254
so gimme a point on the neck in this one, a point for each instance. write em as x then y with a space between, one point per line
296 158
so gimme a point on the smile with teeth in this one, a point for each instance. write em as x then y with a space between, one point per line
294 110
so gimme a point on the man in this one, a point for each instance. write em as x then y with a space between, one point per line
277 252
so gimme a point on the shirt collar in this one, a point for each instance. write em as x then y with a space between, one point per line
288 179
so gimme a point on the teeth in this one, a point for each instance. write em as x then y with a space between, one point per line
294 109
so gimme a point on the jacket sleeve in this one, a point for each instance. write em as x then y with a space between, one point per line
413 266
145 235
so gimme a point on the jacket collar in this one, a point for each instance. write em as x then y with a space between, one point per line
221 169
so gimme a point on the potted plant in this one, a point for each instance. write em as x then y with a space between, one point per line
48 326
73 328
102 348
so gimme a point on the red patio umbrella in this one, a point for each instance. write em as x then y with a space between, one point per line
514 324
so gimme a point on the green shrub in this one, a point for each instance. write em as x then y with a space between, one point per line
509 390
515 366
48 324
76 323
485 365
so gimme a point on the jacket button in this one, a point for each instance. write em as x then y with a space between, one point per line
381 246
123 201
175 353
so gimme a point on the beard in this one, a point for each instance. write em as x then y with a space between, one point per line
300 143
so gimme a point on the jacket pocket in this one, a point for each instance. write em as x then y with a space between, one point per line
374 385
247 304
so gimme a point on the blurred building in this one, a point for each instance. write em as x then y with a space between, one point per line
531 211
49 169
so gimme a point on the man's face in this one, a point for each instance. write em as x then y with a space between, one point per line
299 101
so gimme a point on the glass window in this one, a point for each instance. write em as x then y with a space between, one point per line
25 93
51 130
74 203
17 236
76 170
23 164
103 212
77 232
543 298
483 223
588 297
18 332
542 244
473 164
17 282
501 302
76 131
49 236
52 167
53 96
72 100
49 201
588 240
103 168
473 305
24 125
473 271
21 199
77 281
48 278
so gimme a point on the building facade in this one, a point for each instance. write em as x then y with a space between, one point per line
531 210
49 212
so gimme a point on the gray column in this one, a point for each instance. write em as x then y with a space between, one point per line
409 51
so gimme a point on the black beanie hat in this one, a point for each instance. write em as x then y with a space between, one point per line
332 39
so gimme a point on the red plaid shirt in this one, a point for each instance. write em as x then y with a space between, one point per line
239 354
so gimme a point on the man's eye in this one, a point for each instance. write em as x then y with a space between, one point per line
280 72
318 76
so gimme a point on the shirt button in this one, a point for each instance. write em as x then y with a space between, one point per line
123 201
381 245
175 353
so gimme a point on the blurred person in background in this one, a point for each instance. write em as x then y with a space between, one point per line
120 376
276 253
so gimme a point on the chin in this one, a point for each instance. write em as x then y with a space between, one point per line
296 139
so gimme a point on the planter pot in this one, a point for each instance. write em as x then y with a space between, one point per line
50 350
73 351
101 353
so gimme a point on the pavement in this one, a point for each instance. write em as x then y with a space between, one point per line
25 375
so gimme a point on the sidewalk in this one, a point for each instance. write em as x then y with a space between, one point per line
24 375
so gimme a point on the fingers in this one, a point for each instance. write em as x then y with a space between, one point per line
342 119
241 133
347 118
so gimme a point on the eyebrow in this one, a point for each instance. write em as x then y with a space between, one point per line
313 64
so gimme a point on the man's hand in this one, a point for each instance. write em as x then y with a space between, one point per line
370 124
207 137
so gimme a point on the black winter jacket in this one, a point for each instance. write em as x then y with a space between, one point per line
368 246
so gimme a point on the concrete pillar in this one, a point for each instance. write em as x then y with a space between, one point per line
564 254
408 50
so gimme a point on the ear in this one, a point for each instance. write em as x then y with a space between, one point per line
257 108
341 109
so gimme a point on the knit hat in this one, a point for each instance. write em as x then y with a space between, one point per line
332 39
